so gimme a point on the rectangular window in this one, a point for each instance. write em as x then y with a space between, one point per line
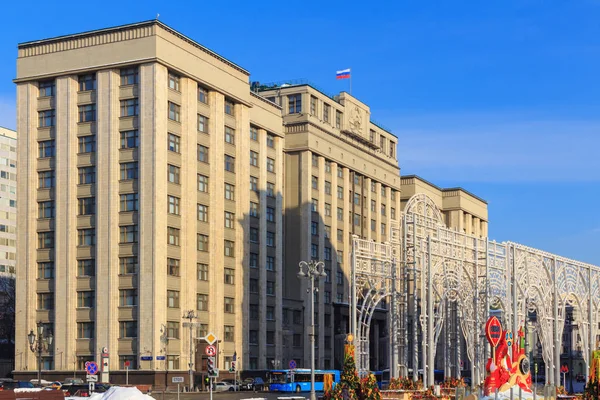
372 136
86 237
339 277
327 254
229 248
392 213
340 214
172 266
173 173
254 235
87 175
340 257
254 184
46 148
314 182
202 183
173 333
229 163
202 330
86 267
129 202
173 236
127 329
173 143
127 297
85 330
357 199
172 299
130 107
253 285
128 265
392 149
270 165
327 210
229 135
340 235
253 337
373 205
327 187
87 82
270 313
270 288
295 103
340 192
383 229
327 297
202 242
314 251
87 144
202 95
85 299
382 191
338 119
229 336
202 124
271 239
202 302
173 360
383 209
173 81
253 158
229 107
373 225
87 113
46 179
46 88
129 170
270 263
202 213
229 305
270 141
253 209
203 154
129 76
313 105
253 260
229 192
357 219
382 142
173 205
46 209
46 118
326 108
270 214
315 160
314 228
174 112
254 310
270 189
128 233
315 205
45 270
229 220
45 301
129 139
202 271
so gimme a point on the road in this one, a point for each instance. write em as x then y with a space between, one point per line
227 395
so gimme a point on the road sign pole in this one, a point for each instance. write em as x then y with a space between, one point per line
127 375
210 382
178 391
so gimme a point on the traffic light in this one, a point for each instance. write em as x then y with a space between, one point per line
210 366
232 368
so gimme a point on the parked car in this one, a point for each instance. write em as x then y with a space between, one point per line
10 385
253 384
233 382
223 387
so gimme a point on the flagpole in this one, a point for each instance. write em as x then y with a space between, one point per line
350 81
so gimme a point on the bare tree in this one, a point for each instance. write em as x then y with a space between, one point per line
7 309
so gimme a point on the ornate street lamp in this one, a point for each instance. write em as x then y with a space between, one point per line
314 271
42 343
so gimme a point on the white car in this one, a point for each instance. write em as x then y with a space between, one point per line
223 387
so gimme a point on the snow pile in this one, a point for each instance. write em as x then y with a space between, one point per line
117 393
23 390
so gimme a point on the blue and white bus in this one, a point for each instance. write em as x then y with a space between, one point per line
298 380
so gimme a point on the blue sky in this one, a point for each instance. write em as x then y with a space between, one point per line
498 97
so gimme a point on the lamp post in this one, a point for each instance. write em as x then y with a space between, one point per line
164 339
312 273
190 315
38 344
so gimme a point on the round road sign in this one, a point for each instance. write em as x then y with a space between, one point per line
292 364
210 350
127 364
92 368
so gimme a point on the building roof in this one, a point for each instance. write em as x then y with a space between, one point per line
443 189
24 45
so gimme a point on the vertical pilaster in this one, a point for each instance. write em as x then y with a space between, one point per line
321 282
279 168
306 217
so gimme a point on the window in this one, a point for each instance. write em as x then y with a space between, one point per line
87 82
327 255
173 143
383 209
254 235
326 108
382 191
270 189
253 337
86 237
127 329
314 250
173 333
271 239
340 235
173 361
46 209
383 229
202 302
340 257
339 277
173 266
392 195
128 265
270 313
46 240
253 158
315 160
202 242
270 141
340 214
297 317
229 135
254 310
313 105
202 213
270 214
253 133
229 163
172 299
203 183
270 288
127 297
338 119
229 107
130 107
46 88
253 285
392 148
202 124
85 299
372 136
392 212
85 330
173 173
327 210
270 263
202 330
254 184
340 192
46 118
45 270
202 94
173 81
129 202
270 165
229 192
357 219
253 209
173 205
202 153
314 205
373 225
202 270
340 172
87 175
314 228
172 236
174 112
357 179
128 233
229 305
253 260
228 329
357 199
327 297
46 148
87 113
315 182
327 187
229 248
86 267
295 103
382 142
129 170
129 76
45 301
229 220
373 205
87 144
129 139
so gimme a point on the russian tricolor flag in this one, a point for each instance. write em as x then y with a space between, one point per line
343 74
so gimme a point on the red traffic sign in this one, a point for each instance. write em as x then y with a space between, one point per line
564 369
493 331
127 364
210 350
91 368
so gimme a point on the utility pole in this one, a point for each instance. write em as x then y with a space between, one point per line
190 315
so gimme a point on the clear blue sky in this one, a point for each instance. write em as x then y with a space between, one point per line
500 97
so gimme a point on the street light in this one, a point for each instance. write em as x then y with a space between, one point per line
313 273
191 315
42 343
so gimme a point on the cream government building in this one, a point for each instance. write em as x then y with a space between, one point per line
154 180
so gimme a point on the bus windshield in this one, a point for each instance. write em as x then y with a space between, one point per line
279 377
